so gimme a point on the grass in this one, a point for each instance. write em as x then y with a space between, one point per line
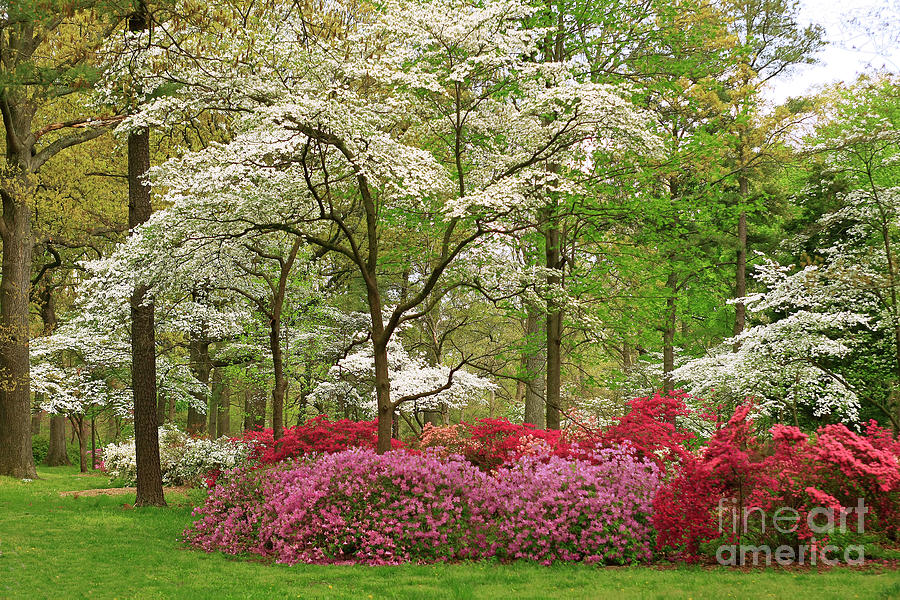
100 547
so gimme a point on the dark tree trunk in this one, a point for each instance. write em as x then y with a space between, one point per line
383 398
37 417
143 330
223 405
161 404
534 358
382 374
16 458
278 296
669 334
93 443
57 456
554 326
280 381
201 367
740 283
212 411
143 326
78 426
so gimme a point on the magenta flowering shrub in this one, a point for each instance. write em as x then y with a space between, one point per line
547 509
399 507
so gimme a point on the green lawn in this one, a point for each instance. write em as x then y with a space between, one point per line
94 547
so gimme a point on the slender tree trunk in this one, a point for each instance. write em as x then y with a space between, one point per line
383 397
534 360
212 411
669 334
223 412
280 381
161 405
93 443
554 326
37 416
740 282
78 426
16 458
384 405
278 296
57 456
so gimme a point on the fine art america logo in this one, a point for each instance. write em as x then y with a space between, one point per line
821 521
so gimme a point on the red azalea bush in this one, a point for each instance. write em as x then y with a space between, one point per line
316 436
489 443
739 474
650 427
358 506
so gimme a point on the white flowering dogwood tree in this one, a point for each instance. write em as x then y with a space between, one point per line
426 118
788 361
415 383
80 374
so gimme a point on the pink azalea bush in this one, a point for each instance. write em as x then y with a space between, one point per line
362 507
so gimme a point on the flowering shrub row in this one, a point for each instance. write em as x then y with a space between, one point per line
316 436
497 489
184 460
740 473
358 506
651 427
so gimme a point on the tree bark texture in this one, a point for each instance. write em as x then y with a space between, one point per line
143 332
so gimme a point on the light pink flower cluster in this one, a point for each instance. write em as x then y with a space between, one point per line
357 506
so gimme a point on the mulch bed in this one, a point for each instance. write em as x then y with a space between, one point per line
120 491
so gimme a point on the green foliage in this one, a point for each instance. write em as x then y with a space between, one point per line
40 447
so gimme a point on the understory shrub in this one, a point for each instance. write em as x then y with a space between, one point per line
358 506
184 460
40 448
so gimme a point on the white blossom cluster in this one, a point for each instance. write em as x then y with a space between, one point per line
784 363
351 380
184 460
77 371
